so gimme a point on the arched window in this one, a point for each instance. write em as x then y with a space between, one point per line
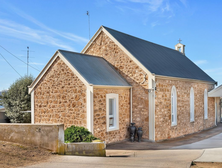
205 104
191 105
173 106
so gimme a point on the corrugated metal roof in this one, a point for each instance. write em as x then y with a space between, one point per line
95 70
159 59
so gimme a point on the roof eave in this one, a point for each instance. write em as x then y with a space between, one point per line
188 79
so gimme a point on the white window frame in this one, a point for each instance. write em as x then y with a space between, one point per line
192 105
116 112
205 104
173 106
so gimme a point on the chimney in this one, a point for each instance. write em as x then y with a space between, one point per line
180 47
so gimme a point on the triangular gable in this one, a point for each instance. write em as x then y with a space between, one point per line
102 29
48 65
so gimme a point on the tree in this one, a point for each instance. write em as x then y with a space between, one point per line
17 99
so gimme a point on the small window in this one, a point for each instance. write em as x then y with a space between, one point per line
173 106
205 104
112 112
191 105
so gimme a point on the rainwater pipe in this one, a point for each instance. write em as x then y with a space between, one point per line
131 104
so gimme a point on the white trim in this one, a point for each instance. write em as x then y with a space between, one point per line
110 86
174 105
32 107
217 92
89 106
92 40
116 121
182 79
192 105
48 65
151 98
205 104
41 74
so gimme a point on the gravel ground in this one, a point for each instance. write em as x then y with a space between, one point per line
16 155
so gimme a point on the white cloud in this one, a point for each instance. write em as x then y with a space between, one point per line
154 5
200 62
149 10
36 63
154 24
19 31
215 70
69 36
184 2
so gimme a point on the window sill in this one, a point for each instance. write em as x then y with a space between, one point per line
173 125
192 121
112 129
205 118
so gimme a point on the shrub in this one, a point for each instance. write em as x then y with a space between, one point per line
17 99
78 134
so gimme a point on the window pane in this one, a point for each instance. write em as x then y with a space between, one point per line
111 106
111 112
111 122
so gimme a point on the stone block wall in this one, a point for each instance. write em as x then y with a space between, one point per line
163 128
60 97
48 136
99 100
103 46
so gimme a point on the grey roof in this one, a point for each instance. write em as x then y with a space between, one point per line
158 59
95 70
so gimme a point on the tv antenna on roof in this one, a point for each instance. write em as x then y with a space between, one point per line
89 22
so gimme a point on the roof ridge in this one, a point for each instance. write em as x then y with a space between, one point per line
140 39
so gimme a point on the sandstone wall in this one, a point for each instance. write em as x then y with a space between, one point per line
103 46
164 130
99 100
60 97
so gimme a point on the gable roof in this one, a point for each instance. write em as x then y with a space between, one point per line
95 70
91 70
159 60
217 92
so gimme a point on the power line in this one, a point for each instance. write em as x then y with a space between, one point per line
19 58
10 65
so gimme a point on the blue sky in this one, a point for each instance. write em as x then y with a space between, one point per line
46 26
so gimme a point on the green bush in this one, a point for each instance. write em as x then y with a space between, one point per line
17 99
78 134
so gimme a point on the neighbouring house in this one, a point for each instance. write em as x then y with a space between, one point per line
3 118
118 79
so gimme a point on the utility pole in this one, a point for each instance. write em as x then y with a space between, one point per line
88 22
27 61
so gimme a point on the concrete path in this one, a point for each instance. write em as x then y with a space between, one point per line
212 149
210 155
149 158
213 142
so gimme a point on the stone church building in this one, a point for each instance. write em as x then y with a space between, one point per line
118 79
